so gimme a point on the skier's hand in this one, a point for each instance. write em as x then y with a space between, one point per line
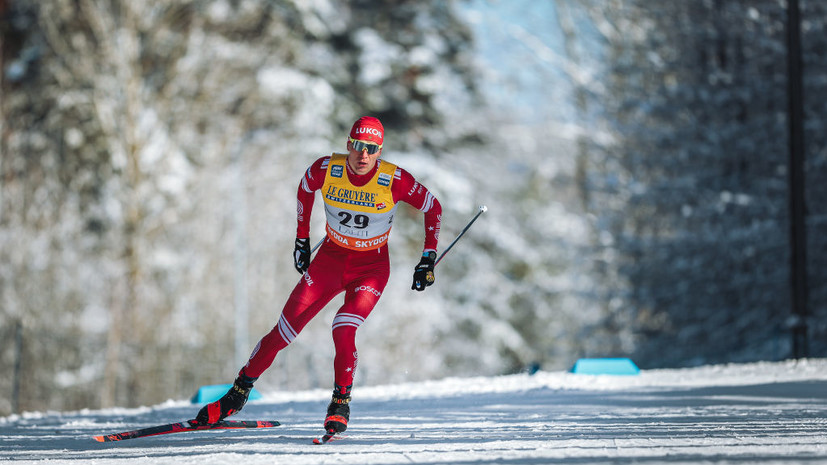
424 272
301 254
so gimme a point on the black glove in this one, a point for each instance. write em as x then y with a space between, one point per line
301 255
424 272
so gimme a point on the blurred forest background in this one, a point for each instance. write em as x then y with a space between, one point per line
633 156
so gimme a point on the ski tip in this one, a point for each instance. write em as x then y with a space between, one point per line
107 438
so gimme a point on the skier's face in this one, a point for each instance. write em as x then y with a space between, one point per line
361 161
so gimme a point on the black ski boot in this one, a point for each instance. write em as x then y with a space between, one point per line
232 402
338 412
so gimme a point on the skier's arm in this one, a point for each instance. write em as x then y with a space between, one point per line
312 181
406 189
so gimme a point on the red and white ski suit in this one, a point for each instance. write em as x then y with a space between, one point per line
353 258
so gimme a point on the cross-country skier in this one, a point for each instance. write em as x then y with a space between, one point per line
360 194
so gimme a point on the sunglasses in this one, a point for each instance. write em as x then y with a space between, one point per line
360 145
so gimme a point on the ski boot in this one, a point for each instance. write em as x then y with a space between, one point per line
230 404
338 412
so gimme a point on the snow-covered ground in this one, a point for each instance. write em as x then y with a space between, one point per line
752 413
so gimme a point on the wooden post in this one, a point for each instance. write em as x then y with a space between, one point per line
798 237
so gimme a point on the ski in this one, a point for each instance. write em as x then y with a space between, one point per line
184 426
328 437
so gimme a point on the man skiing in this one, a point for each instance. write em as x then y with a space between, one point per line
360 194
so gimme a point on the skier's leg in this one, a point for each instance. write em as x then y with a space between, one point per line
317 286
361 296
304 303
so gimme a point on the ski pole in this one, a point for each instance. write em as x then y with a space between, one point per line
317 245
483 209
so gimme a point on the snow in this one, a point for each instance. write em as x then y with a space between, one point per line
769 412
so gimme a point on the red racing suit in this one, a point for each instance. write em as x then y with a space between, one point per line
353 258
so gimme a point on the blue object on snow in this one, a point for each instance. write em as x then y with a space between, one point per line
605 366
207 394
